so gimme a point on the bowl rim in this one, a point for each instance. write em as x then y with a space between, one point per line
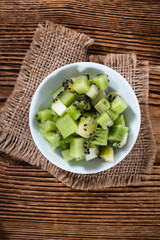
92 64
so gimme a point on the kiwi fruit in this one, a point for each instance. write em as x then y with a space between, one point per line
43 115
87 127
83 120
66 125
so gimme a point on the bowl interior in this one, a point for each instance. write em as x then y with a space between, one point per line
42 98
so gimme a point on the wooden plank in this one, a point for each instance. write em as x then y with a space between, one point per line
74 230
33 204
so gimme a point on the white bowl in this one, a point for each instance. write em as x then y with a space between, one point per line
42 99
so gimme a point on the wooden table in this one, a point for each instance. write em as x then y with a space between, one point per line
34 205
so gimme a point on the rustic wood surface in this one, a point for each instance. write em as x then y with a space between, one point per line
34 205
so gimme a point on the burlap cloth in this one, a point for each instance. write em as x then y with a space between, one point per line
52 47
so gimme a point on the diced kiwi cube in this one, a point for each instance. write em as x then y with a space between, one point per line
66 125
57 91
93 91
67 98
107 154
112 95
77 147
73 111
92 153
118 105
122 143
55 116
43 115
87 126
120 121
101 94
53 138
112 114
100 137
104 120
101 81
81 84
117 133
47 126
59 107
68 85
66 155
102 105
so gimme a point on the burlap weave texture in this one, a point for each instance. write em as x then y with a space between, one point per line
54 46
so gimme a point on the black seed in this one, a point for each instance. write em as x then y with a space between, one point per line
84 129
36 115
85 124
99 74
87 75
39 120
69 88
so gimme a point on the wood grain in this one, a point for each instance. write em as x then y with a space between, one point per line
33 204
